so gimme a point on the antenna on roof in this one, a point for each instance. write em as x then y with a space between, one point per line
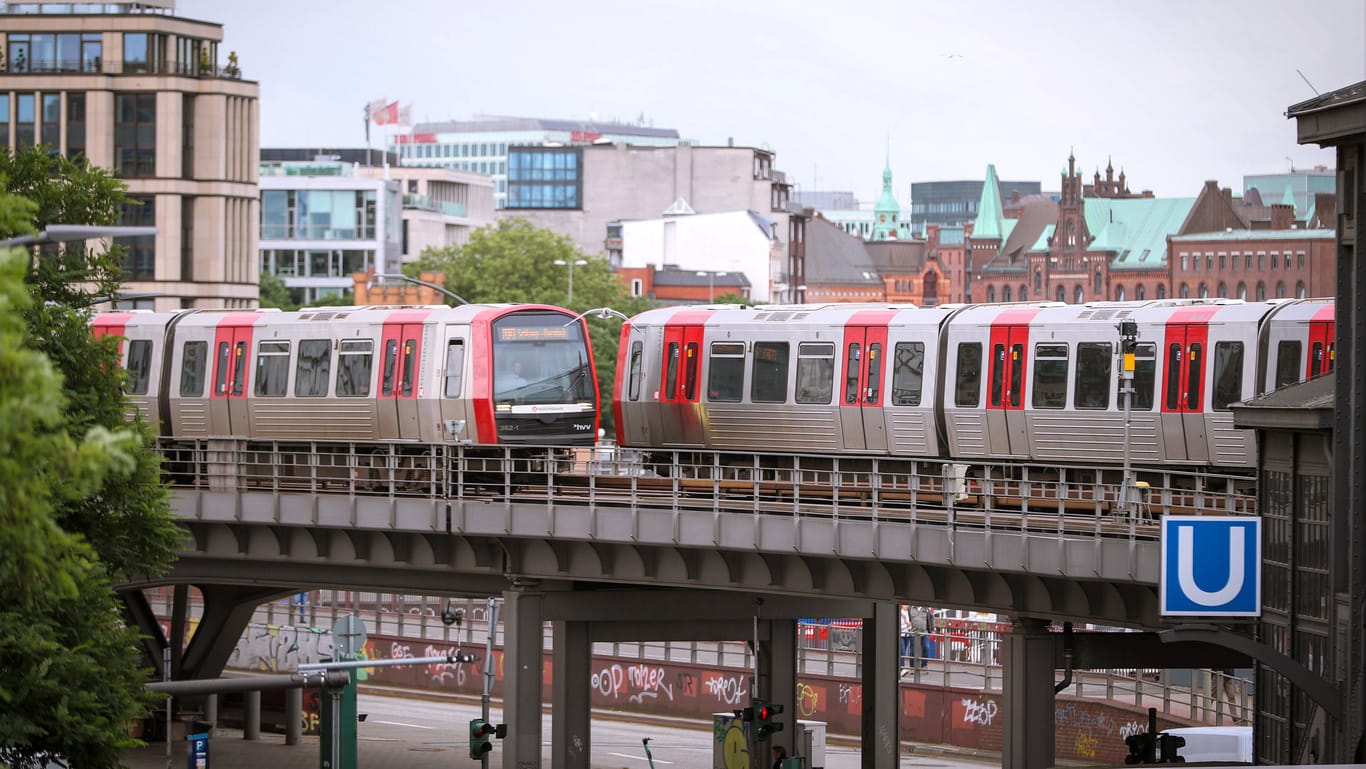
1306 82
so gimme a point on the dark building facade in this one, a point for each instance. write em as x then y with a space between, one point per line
955 203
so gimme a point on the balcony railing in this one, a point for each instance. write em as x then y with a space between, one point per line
98 66
424 202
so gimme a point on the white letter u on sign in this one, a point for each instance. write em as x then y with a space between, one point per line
1185 567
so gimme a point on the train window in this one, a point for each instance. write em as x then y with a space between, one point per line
908 369
671 372
409 363
1050 376
139 367
1174 376
968 383
390 364
1145 377
726 383
998 373
239 367
815 372
851 373
455 367
1016 374
1287 363
633 388
874 372
220 378
690 372
769 381
1228 374
272 368
354 361
1093 375
311 373
192 360
1194 361
1316 360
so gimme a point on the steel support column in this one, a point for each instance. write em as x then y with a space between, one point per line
880 728
1027 696
523 663
571 694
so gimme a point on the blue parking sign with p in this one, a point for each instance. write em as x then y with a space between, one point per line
1211 566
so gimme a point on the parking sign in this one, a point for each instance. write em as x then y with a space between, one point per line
1211 566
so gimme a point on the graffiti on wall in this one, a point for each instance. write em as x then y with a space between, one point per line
279 648
634 683
979 712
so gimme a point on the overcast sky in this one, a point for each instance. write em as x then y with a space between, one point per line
1175 91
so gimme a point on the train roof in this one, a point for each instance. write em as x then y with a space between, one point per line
366 313
1149 311
817 314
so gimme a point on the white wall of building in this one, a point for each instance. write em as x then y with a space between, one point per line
723 242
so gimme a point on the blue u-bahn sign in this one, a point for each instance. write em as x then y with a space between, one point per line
1211 566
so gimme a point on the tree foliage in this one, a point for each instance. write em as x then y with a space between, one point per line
515 261
71 677
128 521
82 506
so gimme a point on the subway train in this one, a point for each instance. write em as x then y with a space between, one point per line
480 375
1031 382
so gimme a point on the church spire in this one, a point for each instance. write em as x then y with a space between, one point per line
887 212
988 224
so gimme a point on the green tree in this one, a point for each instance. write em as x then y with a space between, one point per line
71 676
515 261
274 293
128 522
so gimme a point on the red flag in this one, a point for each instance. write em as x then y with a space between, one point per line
387 115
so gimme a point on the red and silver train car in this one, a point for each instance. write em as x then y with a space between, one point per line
1035 382
477 374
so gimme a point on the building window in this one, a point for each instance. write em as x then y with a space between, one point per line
1140 292
991 294
4 118
1204 291
75 124
1261 291
1185 291
140 252
1161 291
545 177
51 131
26 131
1080 295
1242 290
187 104
135 134
1062 294
1038 281
1119 293
637 287
1223 290
60 52
1280 289
187 238
143 52
1299 290
1099 283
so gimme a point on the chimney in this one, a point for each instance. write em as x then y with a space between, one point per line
1282 216
1228 195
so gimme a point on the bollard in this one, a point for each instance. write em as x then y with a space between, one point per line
294 716
251 716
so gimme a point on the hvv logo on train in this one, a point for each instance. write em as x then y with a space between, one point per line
1211 566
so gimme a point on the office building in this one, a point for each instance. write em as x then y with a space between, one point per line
327 214
150 96
954 203
481 145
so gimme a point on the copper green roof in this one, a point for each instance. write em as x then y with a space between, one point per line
1135 230
988 224
1288 199
1257 235
887 209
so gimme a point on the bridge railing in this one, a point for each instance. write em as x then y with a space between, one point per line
999 495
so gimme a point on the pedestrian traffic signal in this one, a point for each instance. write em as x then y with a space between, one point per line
1142 748
1170 744
764 715
479 737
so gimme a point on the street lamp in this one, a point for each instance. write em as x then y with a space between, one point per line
711 283
433 286
67 233
570 264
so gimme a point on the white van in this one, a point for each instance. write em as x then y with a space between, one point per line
1215 744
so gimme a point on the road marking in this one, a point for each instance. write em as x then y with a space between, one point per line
640 758
400 723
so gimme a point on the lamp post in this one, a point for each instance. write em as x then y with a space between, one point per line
433 286
67 233
570 264
711 283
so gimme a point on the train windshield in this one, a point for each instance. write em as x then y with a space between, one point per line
538 360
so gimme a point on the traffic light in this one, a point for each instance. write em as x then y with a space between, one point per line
1142 748
479 737
763 716
1170 744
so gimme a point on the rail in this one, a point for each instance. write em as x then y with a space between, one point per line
999 496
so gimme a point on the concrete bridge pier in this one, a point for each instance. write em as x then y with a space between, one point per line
523 654
1027 696
880 728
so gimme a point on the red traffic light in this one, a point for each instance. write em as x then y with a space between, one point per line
483 729
765 713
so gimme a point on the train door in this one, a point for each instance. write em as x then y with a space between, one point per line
1183 389
864 381
457 419
679 387
399 391
231 372
1322 349
1007 373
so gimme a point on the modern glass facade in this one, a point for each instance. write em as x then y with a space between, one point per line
318 214
545 177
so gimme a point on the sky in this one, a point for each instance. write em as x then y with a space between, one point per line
1174 92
